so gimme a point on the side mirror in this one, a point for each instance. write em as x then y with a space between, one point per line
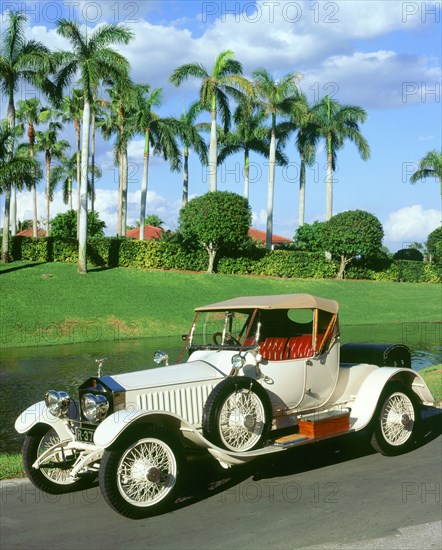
238 362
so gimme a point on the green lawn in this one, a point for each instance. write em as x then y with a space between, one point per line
50 303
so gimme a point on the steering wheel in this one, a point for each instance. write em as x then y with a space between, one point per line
229 339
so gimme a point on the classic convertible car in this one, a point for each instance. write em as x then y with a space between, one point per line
257 375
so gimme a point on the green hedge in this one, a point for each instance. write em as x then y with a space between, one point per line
123 252
408 271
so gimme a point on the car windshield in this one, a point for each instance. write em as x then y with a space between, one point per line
220 328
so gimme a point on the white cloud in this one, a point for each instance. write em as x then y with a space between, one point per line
106 205
411 223
378 79
259 219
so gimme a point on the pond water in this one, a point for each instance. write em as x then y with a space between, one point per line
27 373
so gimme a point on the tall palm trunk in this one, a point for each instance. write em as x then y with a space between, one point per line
329 187
5 243
301 207
13 197
185 197
124 192
70 193
144 184
31 139
77 133
13 210
48 189
213 148
271 184
329 184
82 238
120 192
246 173
92 160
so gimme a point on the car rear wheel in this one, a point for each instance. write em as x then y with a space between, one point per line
54 475
140 476
237 414
397 420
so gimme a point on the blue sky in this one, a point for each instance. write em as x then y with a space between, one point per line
382 56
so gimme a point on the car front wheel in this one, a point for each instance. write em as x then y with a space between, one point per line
396 420
54 474
140 476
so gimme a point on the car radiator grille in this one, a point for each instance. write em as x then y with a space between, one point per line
187 402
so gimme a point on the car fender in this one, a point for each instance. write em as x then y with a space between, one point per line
38 413
115 425
364 406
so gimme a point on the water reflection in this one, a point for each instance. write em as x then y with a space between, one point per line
26 373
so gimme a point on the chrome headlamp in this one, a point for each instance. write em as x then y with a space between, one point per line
57 402
94 407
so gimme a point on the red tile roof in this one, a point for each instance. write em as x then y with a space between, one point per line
150 232
29 233
260 236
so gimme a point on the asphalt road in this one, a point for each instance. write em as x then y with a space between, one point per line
335 494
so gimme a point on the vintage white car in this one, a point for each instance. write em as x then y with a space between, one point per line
262 374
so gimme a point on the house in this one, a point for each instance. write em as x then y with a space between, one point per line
260 236
150 233
30 233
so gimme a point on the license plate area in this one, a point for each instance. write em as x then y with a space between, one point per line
85 434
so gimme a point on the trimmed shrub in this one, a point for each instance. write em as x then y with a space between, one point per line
409 254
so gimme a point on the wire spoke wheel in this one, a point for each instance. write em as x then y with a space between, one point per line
242 420
397 420
54 475
147 472
140 475
237 414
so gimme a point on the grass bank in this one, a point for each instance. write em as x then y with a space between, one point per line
11 463
50 303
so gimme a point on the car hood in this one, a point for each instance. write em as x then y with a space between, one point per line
183 373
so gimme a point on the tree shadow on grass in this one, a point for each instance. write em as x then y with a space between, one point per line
18 267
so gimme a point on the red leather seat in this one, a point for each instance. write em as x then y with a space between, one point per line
301 346
273 348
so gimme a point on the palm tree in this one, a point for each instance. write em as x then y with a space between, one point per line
21 59
66 173
96 61
191 140
429 166
97 105
52 149
300 122
72 111
225 79
31 112
277 97
249 135
159 133
336 123
16 168
153 220
119 121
